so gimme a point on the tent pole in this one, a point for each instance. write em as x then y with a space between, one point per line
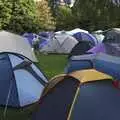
7 100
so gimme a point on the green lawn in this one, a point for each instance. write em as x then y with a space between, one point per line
51 65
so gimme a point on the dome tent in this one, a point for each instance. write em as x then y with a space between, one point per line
21 82
80 34
103 62
61 43
80 96
80 48
11 42
112 36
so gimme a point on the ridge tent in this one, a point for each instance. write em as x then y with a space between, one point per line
80 48
21 82
61 43
11 42
72 98
102 62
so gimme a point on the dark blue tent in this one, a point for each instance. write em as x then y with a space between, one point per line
70 99
85 36
21 82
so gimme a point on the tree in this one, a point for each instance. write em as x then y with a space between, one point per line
23 17
5 13
65 20
96 14
45 16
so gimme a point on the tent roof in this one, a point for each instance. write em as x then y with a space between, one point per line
68 95
76 31
97 101
89 75
10 42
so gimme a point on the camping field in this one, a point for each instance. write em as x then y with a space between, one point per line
51 65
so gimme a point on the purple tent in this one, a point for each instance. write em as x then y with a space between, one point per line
108 48
97 49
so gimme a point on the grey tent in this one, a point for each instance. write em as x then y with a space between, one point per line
61 43
10 42
112 36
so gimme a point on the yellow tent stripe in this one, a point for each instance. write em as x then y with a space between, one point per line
73 103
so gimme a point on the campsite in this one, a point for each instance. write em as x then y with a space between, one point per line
59 60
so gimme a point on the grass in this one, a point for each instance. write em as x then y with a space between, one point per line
50 65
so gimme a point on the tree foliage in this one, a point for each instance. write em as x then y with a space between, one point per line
96 14
45 16
64 18
23 17
5 13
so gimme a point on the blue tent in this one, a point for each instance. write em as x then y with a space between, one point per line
31 37
21 82
76 99
85 36
102 62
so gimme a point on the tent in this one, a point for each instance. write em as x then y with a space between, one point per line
21 82
14 43
78 97
98 35
108 48
61 43
102 62
81 48
31 38
85 36
76 30
112 36
80 34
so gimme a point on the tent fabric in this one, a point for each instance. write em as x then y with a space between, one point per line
80 48
52 82
56 105
108 48
61 43
76 30
73 100
99 35
17 91
14 43
112 36
89 75
85 36
102 62
82 76
74 65
97 101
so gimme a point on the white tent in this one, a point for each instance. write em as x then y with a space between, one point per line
10 42
98 35
61 43
74 31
